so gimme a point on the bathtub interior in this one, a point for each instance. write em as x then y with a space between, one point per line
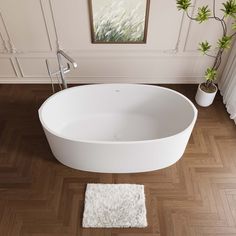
116 113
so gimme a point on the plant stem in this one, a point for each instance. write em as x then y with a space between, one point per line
210 55
219 60
222 21
219 54
232 35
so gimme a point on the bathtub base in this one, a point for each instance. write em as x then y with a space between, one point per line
132 157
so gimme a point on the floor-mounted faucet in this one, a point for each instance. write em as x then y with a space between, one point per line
61 54
62 70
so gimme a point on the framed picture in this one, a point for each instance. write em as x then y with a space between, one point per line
119 21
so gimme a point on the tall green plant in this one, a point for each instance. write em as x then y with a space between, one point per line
204 14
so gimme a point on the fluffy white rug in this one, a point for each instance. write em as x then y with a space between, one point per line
114 206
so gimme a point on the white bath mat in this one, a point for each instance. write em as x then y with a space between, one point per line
114 206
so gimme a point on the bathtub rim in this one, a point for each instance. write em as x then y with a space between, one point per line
195 113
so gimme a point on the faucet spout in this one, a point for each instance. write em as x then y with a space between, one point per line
68 58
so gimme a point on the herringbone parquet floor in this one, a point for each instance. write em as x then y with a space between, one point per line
41 197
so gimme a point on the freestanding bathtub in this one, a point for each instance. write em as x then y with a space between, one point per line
118 128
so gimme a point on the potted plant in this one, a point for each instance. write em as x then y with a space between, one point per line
206 91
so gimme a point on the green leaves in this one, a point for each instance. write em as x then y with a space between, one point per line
230 8
234 26
204 47
224 42
210 74
183 4
203 14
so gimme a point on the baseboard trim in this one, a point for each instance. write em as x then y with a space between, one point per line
107 79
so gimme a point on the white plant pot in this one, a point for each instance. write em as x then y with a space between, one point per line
203 98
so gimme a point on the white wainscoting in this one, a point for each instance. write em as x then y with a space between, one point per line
33 30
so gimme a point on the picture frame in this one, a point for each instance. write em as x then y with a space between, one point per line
119 21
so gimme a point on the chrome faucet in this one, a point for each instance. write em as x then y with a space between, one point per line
62 70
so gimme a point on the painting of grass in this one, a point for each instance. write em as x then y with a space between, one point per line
118 21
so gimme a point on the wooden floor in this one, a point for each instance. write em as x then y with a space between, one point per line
41 197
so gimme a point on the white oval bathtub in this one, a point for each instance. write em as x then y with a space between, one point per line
118 128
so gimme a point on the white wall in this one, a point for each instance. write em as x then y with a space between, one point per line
32 30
